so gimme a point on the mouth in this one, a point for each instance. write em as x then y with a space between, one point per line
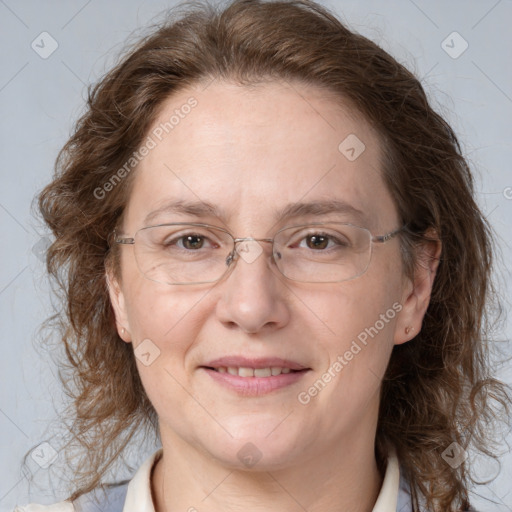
247 372
256 377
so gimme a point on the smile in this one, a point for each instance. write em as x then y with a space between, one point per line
243 371
246 381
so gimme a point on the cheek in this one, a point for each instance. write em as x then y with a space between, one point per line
166 315
358 352
361 316
358 308
165 325
163 320
155 311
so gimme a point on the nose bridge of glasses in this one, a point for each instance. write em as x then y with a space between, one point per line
249 253
256 250
250 238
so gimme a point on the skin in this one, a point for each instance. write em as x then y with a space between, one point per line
249 150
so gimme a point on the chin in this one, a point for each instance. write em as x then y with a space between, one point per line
256 451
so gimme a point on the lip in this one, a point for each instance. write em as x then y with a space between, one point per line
261 362
255 386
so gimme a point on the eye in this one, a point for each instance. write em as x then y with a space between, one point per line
320 241
317 241
190 242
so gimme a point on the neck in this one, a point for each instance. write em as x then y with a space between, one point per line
345 479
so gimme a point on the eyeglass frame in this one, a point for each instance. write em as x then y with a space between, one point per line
381 239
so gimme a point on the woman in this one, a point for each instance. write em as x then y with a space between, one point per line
272 259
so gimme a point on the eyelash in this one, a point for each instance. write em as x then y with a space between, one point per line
331 238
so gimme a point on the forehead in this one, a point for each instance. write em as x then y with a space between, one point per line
254 150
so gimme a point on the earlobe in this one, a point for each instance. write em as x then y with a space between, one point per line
417 292
118 304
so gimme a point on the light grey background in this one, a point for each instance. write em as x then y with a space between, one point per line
41 98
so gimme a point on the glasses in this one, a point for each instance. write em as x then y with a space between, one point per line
195 253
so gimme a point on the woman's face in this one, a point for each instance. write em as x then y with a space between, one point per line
250 153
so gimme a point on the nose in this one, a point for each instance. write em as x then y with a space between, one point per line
252 295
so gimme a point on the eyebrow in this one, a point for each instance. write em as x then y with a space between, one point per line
291 210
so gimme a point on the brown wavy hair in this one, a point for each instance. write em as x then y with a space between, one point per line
438 388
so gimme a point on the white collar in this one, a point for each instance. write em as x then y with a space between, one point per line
139 499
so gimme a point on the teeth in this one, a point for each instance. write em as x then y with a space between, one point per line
262 372
253 372
245 372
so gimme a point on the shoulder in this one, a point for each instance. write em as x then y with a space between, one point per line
63 506
109 498
404 501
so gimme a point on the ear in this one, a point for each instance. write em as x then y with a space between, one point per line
118 303
416 292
